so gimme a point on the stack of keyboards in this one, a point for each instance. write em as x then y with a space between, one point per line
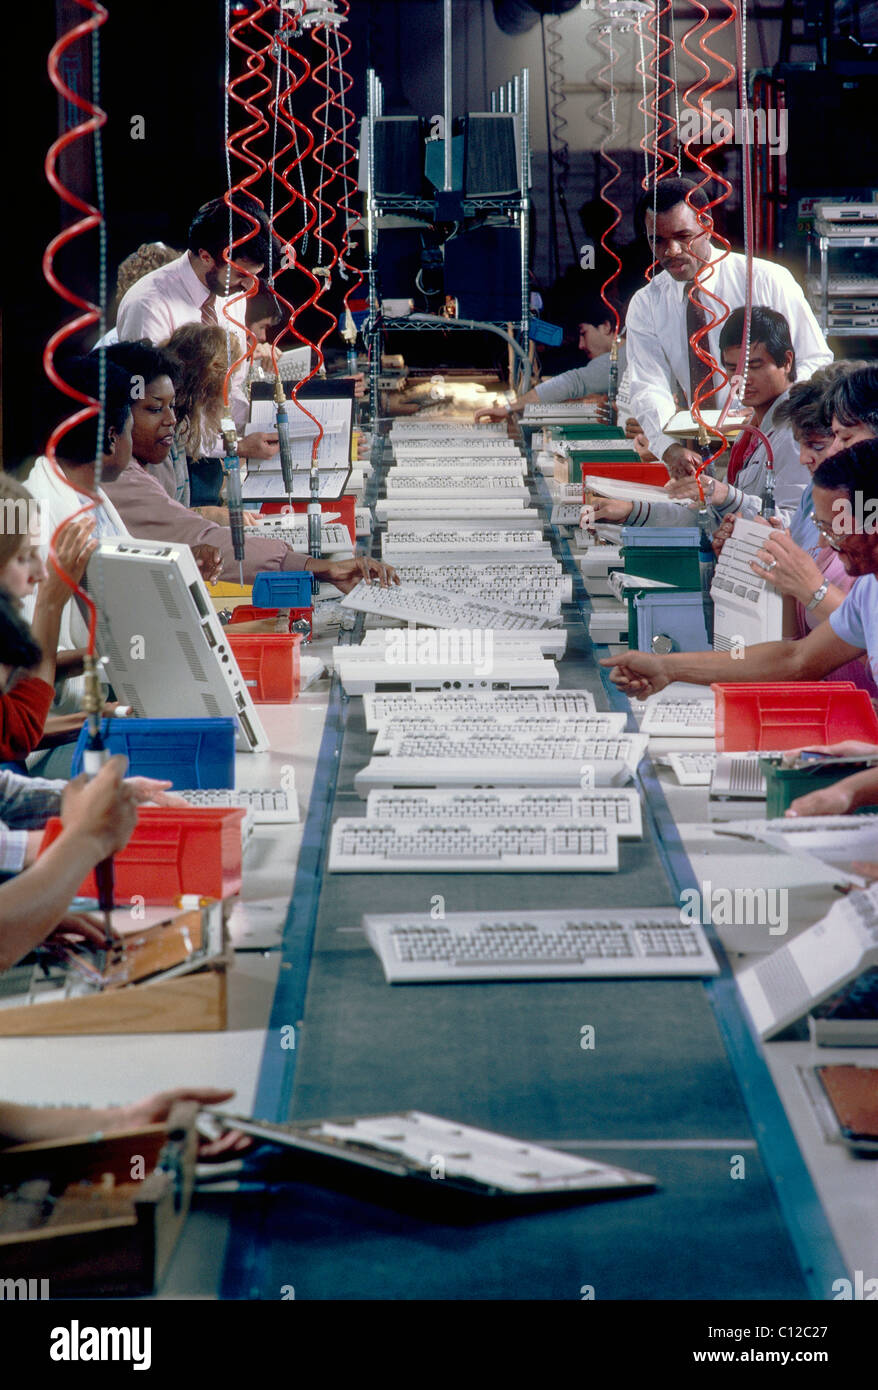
480 762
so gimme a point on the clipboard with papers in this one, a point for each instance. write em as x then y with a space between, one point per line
334 409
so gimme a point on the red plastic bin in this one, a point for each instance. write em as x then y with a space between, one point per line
173 852
246 613
769 716
654 473
269 664
344 506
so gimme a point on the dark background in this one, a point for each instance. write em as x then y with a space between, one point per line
164 62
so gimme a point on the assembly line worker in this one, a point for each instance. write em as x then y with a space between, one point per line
660 318
771 368
596 337
845 496
144 493
200 287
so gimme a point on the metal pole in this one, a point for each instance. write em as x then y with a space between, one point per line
446 79
523 105
371 234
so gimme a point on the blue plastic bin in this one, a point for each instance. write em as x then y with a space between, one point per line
282 589
189 753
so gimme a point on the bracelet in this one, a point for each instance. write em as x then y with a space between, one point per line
817 597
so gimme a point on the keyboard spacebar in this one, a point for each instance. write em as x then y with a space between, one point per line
525 960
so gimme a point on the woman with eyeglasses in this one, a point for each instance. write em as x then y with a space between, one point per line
845 507
803 563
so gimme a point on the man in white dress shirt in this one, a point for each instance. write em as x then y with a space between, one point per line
199 287
659 319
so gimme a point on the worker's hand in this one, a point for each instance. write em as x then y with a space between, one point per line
641 445
110 710
680 461
836 800
155 1109
102 810
147 789
685 489
637 673
209 561
359 380
261 353
346 574
492 412
632 428
74 546
865 869
262 444
722 533
846 748
609 510
80 929
220 516
787 567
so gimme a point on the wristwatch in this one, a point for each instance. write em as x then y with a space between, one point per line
817 597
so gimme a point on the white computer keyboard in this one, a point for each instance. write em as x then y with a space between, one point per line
545 576
494 510
566 513
692 769
431 427
511 465
515 725
746 609
379 708
434 607
365 674
268 806
389 637
835 839
476 448
584 413
490 761
538 595
472 486
680 718
615 806
333 535
633 943
357 846
480 539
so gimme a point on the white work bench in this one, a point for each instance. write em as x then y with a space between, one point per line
846 1186
109 1070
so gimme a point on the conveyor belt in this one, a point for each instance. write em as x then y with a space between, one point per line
659 1082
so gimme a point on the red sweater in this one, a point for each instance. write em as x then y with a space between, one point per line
23 713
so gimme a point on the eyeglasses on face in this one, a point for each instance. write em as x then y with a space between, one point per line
825 529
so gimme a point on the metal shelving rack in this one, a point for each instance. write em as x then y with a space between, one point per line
825 243
511 97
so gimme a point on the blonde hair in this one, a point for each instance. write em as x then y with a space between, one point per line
16 515
148 256
197 348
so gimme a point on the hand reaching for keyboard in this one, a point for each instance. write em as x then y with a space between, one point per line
637 673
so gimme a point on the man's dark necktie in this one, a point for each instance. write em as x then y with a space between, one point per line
696 318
